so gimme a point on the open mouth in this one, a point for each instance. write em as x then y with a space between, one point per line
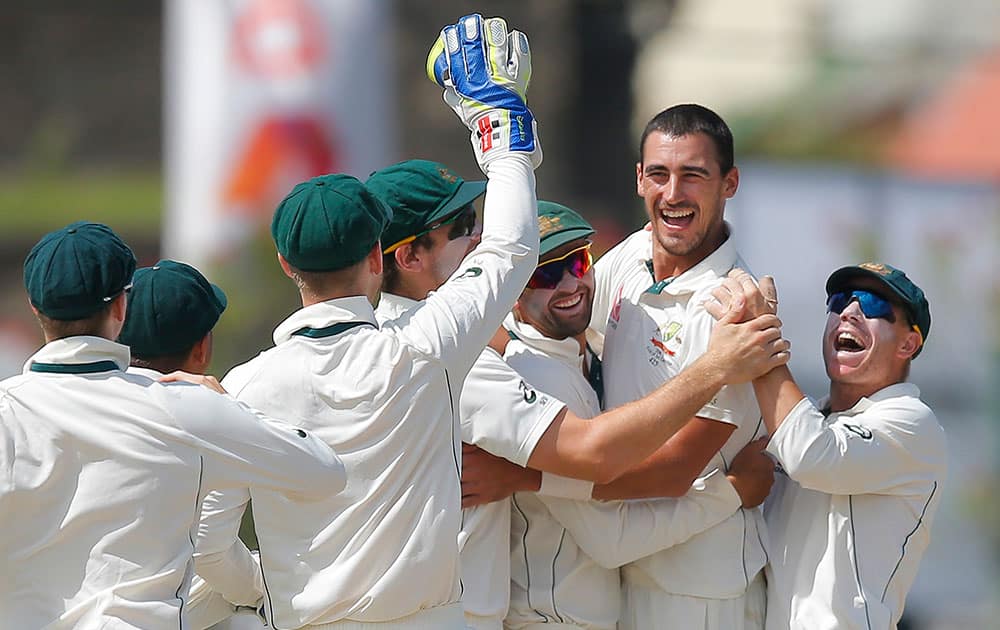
569 302
846 342
677 219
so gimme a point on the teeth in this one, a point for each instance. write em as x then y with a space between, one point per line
568 303
676 214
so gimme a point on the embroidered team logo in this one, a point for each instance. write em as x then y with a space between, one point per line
547 225
487 131
661 341
878 268
447 175
471 272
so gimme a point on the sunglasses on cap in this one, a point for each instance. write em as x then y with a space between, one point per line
549 274
873 306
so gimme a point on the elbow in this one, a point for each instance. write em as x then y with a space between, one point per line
601 465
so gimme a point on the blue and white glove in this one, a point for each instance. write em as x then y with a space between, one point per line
485 73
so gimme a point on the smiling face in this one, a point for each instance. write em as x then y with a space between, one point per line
866 354
564 311
685 195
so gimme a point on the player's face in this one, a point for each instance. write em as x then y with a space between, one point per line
450 244
563 311
863 351
685 195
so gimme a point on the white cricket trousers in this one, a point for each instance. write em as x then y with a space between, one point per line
646 607
475 622
437 618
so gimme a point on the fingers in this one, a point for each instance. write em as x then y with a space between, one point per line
770 292
715 308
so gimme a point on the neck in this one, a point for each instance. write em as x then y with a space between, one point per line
667 265
582 340
315 297
843 396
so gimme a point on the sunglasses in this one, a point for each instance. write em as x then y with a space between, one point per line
873 306
549 274
463 223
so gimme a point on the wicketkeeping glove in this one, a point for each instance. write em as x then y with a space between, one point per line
485 72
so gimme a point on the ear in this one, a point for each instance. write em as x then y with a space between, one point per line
375 259
200 355
119 306
285 267
908 345
730 182
408 259
638 178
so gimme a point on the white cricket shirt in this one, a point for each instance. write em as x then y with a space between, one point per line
853 517
102 474
502 414
566 553
222 563
386 400
647 332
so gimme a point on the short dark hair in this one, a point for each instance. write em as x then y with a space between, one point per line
92 325
687 119
165 363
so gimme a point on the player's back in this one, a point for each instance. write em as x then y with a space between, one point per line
99 494
386 546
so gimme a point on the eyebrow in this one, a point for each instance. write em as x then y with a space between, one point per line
687 168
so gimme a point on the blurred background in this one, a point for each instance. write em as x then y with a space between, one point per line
864 131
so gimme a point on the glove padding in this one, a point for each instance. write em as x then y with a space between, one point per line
485 73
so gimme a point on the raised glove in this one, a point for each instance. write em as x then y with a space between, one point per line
485 73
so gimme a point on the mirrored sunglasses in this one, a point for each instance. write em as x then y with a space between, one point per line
872 305
548 274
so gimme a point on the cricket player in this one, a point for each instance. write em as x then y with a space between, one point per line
861 469
383 553
172 309
102 472
648 324
566 553
433 227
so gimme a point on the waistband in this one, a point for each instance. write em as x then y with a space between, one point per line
448 617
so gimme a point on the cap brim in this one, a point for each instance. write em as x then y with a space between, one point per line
842 277
559 239
466 193
219 295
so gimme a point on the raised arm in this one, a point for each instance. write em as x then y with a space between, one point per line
485 73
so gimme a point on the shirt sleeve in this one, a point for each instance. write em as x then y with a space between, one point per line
607 293
242 448
731 403
501 413
221 558
883 449
455 322
618 532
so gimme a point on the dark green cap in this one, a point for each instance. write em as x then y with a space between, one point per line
421 194
328 223
171 306
74 272
558 225
909 294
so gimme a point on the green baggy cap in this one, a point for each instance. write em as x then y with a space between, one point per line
422 195
74 272
912 297
558 225
170 308
328 223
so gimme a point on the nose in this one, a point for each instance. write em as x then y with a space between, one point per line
673 192
852 311
568 282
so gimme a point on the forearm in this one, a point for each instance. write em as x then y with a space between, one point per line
634 431
777 394
233 573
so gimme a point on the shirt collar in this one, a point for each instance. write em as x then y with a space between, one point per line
715 265
147 372
895 390
356 308
80 350
567 350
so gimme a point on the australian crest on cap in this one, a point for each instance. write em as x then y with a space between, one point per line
447 175
878 268
548 225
